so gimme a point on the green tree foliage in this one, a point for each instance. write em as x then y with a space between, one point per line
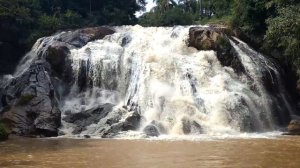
174 16
249 16
283 35
23 21
221 8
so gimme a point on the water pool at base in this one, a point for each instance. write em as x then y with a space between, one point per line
280 151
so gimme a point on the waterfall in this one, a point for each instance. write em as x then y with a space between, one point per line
178 88
175 89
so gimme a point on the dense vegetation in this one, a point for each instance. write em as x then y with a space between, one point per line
23 21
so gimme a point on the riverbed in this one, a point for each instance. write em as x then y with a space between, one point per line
282 151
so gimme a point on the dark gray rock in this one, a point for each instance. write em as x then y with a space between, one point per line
31 102
190 126
151 130
108 121
114 123
83 119
81 37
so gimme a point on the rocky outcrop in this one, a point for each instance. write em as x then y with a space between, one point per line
294 127
30 103
86 118
204 38
81 37
29 100
108 121
212 38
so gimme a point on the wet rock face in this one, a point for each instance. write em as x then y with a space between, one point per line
210 38
83 119
294 127
30 103
151 130
203 38
108 121
29 100
81 37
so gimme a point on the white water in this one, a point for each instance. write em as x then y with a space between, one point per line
184 90
186 93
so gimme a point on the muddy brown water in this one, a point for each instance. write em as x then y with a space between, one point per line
281 152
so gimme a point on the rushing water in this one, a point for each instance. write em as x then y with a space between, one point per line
178 88
76 153
175 88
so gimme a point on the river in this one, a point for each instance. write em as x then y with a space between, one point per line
66 153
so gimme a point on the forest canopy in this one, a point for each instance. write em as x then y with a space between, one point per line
24 21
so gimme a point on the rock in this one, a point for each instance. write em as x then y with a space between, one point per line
151 130
298 87
114 123
294 127
186 126
30 98
109 121
57 56
81 37
190 126
204 38
212 38
86 118
31 103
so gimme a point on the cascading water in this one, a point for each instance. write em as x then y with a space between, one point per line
147 80
176 88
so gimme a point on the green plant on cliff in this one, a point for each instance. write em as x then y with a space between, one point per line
25 99
223 41
4 132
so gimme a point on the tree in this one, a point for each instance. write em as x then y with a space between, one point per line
23 21
283 36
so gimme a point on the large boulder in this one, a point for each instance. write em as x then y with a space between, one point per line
30 103
81 37
294 127
151 130
105 120
204 38
213 38
86 118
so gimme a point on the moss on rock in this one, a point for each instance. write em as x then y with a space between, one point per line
4 132
25 99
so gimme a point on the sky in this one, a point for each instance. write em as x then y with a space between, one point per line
149 6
